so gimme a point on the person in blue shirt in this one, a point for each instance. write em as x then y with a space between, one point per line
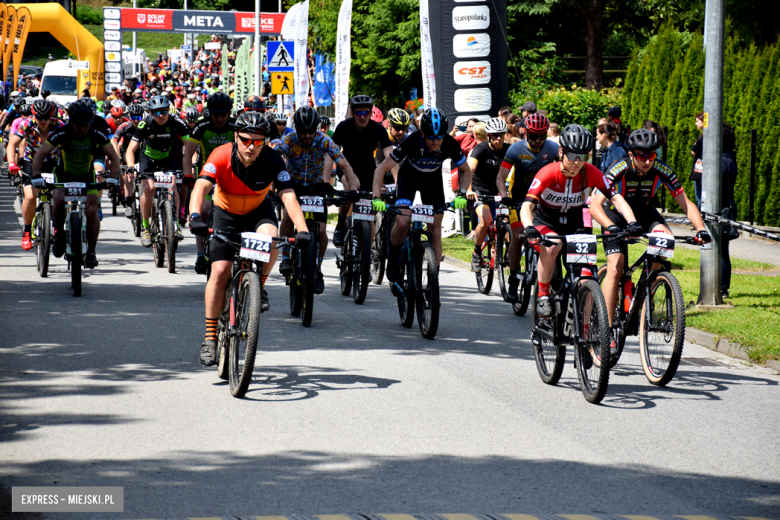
613 150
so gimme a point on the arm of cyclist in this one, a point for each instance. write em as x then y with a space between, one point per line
189 152
113 160
693 214
130 153
349 174
199 191
503 175
379 175
473 163
465 174
597 210
44 151
293 209
11 155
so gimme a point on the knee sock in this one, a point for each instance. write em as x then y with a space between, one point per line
263 278
211 329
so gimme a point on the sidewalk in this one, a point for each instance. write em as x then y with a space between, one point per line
756 249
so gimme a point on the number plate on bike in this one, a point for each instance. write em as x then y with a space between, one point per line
422 214
312 204
499 210
660 244
581 249
390 189
256 246
363 210
163 180
75 192
48 177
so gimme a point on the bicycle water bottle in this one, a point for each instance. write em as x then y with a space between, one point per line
628 294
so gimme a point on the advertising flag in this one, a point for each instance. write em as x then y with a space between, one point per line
10 25
426 53
2 33
322 72
23 21
302 57
343 57
290 21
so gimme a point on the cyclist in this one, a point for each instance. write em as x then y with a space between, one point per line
527 157
30 135
485 161
358 137
211 133
325 126
256 104
558 194
78 141
398 125
305 151
161 138
242 173
637 179
116 117
121 140
422 154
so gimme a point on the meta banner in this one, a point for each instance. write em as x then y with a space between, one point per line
218 22
470 57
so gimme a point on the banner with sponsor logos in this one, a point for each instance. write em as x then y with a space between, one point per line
2 39
302 57
343 59
23 21
426 53
469 57
219 22
10 25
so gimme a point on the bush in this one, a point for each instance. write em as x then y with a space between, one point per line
87 15
578 105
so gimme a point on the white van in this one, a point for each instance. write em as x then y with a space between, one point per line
133 64
61 78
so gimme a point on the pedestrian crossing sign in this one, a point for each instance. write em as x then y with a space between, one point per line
281 56
282 83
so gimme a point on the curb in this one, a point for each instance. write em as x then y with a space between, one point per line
456 262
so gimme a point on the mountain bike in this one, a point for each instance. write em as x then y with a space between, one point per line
136 219
163 222
657 316
305 263
43 227
579 318
495 248
383 223
354 258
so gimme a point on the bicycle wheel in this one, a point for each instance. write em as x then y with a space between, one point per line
345 271
158 241
136 220
169 235
114 200
592 359
503 236
378 252
309 268
296 287
549 352
405 304
661 340
361 272
43 233
524 289
618 318
223 345
75 253
428 294
243 345
485 273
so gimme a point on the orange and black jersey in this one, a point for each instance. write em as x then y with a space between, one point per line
241 189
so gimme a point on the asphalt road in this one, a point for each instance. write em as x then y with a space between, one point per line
356 413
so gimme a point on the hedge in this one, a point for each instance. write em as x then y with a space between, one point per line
578 105
665 82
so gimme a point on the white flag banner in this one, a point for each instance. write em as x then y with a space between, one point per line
289 23
301 57
426 53
343 57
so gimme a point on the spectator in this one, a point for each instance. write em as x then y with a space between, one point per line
729 172
528 108
504 113
696 152
554 132
480 135
614 114
514 129
466 139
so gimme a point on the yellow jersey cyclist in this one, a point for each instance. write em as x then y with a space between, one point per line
397 127
306 150
485 161
79 142
527 157
422 155
161 138
241 174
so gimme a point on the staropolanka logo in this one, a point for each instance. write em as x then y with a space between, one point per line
468 18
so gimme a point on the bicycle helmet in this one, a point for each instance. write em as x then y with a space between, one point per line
43 108
398 117
92 105
158 103
614 112
135 110
205 112
219 103
17 101
118 103
306 119
434 122
117 111
376 115
495 125
253 122
361 100
577 139
255 103
643 139
537 123
80 112
324 121
45 93
190 114
25 110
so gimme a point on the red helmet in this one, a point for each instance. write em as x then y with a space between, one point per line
117 111
537 123
376 115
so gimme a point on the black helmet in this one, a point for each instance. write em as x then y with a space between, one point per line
25 110
45 93
434 122
158 103
254 103
80 112
219 103
43 108
135 110
324 121
253 122
614 112
306 119
191 114
361 100
643 139
577 139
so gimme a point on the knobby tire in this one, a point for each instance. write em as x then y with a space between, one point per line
592 361
362 267
244 347
661 350
76 258
44 238
170 235
428 291
549 355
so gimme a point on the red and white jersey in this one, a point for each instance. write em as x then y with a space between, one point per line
555 194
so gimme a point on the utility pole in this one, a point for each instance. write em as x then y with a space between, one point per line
135 47
258 53
709 280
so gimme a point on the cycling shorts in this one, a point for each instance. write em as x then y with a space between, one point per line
49 165
431 188
572 226
648 218
222 220
491 205
148 165
316 190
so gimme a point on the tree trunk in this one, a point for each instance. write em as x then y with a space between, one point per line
593 14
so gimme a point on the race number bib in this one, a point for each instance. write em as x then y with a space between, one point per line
499 210
48 177
163 180
660 244
390 189
363 210
581 249
256 246
75 192
422 214
312 204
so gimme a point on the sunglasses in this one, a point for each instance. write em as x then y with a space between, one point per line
644 157
434 137
399 128
42 118
536 137
249 141
159 112
572 156
281 123
136 118
363 113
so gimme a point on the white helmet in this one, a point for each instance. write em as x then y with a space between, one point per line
119 103
495 126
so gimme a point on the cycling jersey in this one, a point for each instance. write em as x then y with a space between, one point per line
527 164
488 163
379 155
208 136
638 189
307 165
241 189
78 153
161 141
556 195
29 131
358 147
17 122
112 123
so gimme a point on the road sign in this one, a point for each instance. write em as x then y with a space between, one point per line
186 48
282 56
78 65
282 83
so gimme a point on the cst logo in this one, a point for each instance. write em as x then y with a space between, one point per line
473 71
